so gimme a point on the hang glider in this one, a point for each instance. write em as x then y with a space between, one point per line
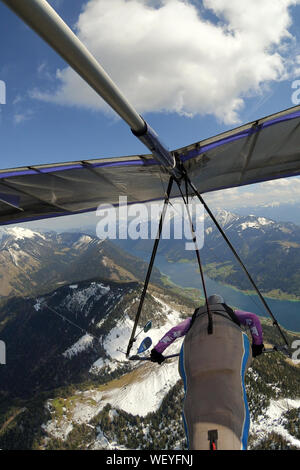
266 149
258 151
263 150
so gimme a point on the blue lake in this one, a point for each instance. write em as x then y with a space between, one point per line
187 275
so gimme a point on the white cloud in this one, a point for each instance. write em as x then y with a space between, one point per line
43 72
20 117
166 57
284 190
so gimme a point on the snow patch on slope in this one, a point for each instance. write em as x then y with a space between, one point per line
38 304
116 341
224 217
81 345
138 394
83 241
20 233
272 420
246 225
264 221
140 397
78 298
146 394
80 411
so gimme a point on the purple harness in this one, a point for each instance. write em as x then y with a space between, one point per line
247 319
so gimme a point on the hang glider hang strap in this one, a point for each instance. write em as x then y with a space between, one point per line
150 267
275 322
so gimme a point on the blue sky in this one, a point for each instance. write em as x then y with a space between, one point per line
193 69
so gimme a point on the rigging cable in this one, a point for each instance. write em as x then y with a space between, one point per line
64 318
275 322
149 271
197 250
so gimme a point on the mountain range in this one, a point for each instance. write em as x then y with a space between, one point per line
32 262
66 317
68 384
270 250
276 210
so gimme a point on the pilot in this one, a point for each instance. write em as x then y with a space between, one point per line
213 368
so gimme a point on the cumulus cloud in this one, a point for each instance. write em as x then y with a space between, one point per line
283 190
167 56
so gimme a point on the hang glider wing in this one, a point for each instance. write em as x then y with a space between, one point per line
44 191
266 149
263 150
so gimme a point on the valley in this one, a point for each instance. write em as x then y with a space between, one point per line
67 383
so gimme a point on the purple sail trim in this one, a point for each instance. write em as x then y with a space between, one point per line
184 157
124 163
282 119
202 149
12 173
59 168
241 135
77 166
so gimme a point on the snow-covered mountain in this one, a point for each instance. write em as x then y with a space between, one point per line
269 249
18 233
70 385
90 319
77 334
239 223
276 210
32 262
